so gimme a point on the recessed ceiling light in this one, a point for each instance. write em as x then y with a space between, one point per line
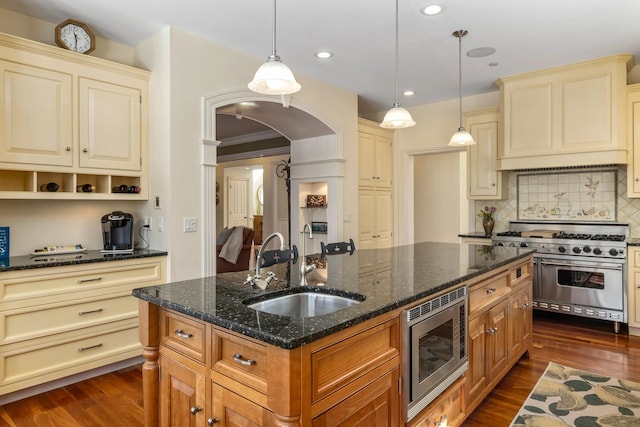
432 9
408 93
481 52
493 64
323 54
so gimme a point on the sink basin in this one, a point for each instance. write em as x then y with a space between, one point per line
304 304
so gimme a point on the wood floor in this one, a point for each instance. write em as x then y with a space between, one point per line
116 399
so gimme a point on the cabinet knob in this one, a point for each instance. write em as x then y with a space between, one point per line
211 421
493 185
84 150
637 179
68 148
491 290
195 409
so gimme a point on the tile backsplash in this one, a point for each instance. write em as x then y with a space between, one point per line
598 194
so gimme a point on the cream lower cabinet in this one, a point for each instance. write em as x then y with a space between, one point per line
633 289
212 376
60 321
484 181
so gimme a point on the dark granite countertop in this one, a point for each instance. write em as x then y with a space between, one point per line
27 262
475 235
388 278
633 242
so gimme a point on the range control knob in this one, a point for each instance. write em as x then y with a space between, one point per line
576 250
586 249
613 252
499 244
524 245
562 249
597 251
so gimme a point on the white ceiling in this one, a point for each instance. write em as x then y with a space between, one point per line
527 35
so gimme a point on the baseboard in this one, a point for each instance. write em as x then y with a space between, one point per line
52 385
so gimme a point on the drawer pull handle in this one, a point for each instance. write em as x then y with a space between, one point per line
95 279
524 306
492 330
241 360
491 290
183 334
211 421
195 409
82 313
90 347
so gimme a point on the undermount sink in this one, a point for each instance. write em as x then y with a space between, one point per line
305 304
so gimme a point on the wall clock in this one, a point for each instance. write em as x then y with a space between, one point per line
75 36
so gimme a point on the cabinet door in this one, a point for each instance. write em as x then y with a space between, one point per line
232 410
375 405
35 115
384 218
182 395
366 219
477 378
366 160
110 125
633 169
484 179
519 320
633 289
384 161
497 345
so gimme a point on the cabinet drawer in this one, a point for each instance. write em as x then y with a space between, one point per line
335 367
37 321
240 359
183 334
46 285
488 292
520 274
27 365
448 407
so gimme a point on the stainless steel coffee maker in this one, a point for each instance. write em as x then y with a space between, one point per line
117 232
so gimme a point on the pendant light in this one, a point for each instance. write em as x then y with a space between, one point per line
397 117
461 138
274 77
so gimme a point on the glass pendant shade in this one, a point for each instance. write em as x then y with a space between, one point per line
397 118
461 138
274 78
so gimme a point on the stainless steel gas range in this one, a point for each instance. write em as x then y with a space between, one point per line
580 268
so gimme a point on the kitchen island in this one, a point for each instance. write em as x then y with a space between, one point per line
221 359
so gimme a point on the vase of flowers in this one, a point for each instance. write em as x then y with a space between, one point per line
487 219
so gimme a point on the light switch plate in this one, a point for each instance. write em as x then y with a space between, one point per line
190 225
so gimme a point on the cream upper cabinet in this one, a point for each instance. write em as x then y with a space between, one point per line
549 116
109 125
70 119
375 155
36 115
484 179
633 136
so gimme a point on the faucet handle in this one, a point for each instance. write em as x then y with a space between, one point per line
249 280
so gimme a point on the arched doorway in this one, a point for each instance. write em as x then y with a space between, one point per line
293 121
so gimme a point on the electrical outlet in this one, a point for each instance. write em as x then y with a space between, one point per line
160 223
156 202
189 225
148 222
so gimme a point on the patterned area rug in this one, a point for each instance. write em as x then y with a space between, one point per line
566 396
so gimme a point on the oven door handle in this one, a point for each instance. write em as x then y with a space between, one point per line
595 267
